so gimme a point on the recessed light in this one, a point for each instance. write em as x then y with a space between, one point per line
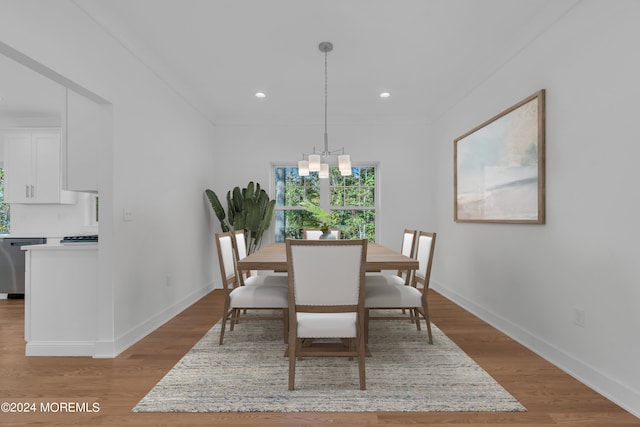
385 95
261 95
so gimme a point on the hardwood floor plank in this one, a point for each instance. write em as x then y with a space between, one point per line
552 397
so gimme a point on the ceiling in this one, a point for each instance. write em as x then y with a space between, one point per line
427 53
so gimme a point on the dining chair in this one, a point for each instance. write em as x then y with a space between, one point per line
407 249
240 251
315 233
251 277
386 292
326 301
253 295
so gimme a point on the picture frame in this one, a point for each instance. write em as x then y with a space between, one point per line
499 167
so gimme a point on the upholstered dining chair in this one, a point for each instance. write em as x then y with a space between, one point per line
407 249
326 300
240 251
251 277
386 292
315 233
252 296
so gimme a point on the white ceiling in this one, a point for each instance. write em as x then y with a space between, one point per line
428 53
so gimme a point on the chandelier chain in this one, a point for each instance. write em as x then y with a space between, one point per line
326 95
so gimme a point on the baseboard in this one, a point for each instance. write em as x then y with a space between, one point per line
620 394
107 349
60 348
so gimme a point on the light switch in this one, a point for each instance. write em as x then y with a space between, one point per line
127 215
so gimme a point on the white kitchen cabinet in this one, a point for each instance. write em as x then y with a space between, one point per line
32 169
61 299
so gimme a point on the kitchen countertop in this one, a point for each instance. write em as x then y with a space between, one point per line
23 236
57 246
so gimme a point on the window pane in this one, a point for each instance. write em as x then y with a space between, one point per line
356 224
357 190
289 224
352 201
291 190
337 196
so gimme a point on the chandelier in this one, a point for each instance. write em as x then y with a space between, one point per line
318 161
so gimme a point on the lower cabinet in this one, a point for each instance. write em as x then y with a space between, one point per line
61 300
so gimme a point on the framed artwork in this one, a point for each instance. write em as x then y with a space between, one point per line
499 167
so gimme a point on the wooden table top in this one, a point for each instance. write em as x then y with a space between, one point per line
274 257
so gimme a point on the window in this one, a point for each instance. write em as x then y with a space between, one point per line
4 207
352 201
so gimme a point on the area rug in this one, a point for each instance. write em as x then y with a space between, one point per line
249 373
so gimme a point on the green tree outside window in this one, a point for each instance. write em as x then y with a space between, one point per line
351 202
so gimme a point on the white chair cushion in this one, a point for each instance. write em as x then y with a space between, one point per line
267 280
385 292
259 297
326 325
384 278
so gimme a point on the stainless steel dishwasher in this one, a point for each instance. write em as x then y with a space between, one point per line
12 264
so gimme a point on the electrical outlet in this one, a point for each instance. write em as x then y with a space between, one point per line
127 215
578 317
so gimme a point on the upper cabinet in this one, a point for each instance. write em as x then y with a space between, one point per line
86 129
33 168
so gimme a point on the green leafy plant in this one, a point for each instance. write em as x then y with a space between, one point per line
322 218
248 209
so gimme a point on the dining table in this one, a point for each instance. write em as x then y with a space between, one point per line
379 257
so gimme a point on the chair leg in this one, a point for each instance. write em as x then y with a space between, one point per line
225 315
366 325
361 357
293 342
425 310
285 324
416 317
234 319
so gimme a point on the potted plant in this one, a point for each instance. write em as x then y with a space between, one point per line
321 218
248 209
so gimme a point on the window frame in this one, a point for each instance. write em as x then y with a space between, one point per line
325 193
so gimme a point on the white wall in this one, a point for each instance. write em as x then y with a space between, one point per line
401 150
161 159
528 279
53 221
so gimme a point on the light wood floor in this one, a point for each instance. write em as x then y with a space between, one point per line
552 397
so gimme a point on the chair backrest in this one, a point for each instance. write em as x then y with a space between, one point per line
426 243
408 242
327 273
240 244
226 258
240 251
407 249
315 233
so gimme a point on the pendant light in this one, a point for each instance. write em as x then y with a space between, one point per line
318 161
